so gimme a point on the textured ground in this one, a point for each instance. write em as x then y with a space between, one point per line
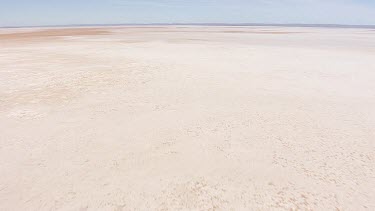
187 118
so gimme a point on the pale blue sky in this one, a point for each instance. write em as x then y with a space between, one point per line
61 12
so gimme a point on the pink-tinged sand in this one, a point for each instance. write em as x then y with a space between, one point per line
187 118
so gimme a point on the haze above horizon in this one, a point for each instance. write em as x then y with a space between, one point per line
70 12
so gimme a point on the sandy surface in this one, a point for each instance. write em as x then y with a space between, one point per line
187 118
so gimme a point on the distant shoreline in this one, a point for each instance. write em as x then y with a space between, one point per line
201 24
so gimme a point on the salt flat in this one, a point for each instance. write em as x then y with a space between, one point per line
187 118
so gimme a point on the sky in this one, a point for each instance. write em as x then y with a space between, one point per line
66 12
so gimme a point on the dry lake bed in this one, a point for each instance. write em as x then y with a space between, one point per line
187 118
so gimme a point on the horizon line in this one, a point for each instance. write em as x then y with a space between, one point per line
325 25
